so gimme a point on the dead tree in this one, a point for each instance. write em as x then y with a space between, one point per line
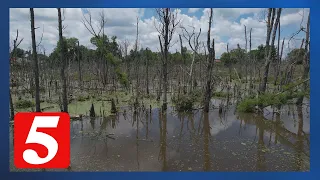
271 27
13 55
183 54
251 63
277 64
96 32
35 62
63 62
147 72
137 60
79 66
306 61
166 28
193 41
210 61
246 59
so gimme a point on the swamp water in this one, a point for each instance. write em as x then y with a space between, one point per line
227 141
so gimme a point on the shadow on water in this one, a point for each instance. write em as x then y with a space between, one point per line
220 140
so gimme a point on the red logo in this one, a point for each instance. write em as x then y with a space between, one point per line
42 140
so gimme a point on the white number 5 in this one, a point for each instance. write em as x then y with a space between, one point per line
31 156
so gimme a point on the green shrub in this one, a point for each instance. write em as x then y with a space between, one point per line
247 105
82 98
24 104
185 102
99 98
268 99
221 94
122 77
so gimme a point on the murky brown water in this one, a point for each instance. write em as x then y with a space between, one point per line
192 142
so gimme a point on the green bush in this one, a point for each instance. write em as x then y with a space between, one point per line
24 104
82 98
247 105
268 99
186 102
221 94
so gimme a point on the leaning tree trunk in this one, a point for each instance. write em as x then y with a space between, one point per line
276 66
269 49
306 61
62 59
35 62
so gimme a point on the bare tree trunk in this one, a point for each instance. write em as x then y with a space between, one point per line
211 50
137 60
229 64
63 62
35 61
269 48
280 72
194 48
16 43
79 66
306 61
160 86
161 71
165 60
147 71
11 106
251 63
277 65
184 62
246 59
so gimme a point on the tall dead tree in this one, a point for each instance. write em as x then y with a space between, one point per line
63 67
277 64
183 54
35 62
13 55
251 63
193 41
166 28
147 72
306 60
246 59
79 66
271 27
99 34
210 61
136 59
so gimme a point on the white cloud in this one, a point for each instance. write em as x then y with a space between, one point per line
193 10
227 26
297 17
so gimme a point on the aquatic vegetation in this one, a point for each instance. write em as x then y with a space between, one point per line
251 104
186 102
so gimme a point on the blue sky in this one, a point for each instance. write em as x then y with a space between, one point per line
227 28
